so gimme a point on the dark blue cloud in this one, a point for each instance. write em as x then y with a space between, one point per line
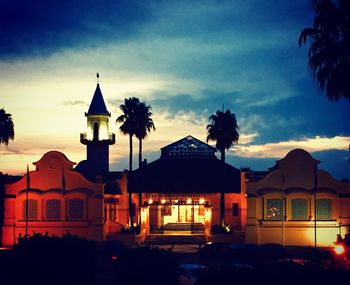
307 114
41 27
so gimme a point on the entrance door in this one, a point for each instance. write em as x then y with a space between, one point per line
185 214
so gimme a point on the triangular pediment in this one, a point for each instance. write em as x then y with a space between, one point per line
188 147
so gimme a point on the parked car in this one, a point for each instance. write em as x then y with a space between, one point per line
189 273
273 252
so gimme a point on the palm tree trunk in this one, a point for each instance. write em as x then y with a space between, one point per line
222 155
130 154
222 208
140 152
222 196
140 164
130 195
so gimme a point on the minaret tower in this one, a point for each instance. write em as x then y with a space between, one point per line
97 137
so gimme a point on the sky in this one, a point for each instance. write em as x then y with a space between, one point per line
186 59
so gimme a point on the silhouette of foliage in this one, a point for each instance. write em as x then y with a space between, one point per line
329 51
44 259
223 129
6 127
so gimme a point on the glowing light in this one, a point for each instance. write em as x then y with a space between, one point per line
176 201
201 201
189 201
163 201
150 201
114 257
339 249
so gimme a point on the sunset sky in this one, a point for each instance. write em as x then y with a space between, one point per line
186 59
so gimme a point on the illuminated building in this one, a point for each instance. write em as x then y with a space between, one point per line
297 204
184 183
97 137
181 191
181 188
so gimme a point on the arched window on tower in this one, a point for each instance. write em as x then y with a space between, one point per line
95 127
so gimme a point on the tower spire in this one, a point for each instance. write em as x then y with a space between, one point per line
98 78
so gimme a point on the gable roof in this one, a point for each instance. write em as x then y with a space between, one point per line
98 106
188 147
200 175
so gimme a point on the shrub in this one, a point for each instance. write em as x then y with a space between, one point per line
219 229
44 259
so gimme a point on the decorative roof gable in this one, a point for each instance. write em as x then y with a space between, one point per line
188 147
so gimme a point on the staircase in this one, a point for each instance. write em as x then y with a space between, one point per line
196 228
154 239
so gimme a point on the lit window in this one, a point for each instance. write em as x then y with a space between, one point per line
324 209
299 209
75 209
53 209
274 209
32 209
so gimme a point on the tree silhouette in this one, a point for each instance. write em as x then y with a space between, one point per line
6 127
329 51
128 127
144 124
223 129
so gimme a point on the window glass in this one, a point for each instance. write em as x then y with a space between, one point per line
32 209
235 209
299 209
76 209
53 209
324 209
274 209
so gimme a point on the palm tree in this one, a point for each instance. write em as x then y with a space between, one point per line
128 127
329 52
144 124
6 127
223 129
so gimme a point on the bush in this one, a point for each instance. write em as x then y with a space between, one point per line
131 230
219 229
43 259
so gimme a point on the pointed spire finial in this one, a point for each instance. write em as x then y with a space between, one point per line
98 78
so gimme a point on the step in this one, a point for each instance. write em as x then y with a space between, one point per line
174 239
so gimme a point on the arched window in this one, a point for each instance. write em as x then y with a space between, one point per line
274 209
53 209
95 128
32 209
299 209
324 209
75 209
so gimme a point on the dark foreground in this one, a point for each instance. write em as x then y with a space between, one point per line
71 260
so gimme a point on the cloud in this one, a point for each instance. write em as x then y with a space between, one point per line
75 103
43 27
279 149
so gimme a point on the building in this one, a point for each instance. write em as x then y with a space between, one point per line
186 189
54 199
297 204
189 185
